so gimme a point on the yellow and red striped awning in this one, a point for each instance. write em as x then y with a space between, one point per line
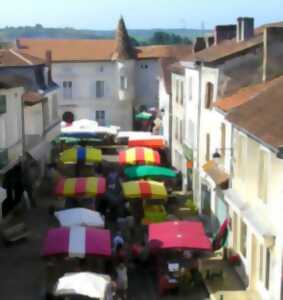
138 156
81 187
89 155
144 189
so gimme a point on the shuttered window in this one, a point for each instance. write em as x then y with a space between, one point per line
207 155
3 104
209 95
263 175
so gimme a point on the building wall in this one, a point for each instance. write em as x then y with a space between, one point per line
178 124
147 73
11 123
246 183
164 105
118 106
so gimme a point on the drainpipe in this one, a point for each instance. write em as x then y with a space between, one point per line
23 126
198 133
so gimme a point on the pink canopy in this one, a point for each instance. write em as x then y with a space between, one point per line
77 241
179 235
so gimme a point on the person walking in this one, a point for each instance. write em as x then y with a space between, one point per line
122 280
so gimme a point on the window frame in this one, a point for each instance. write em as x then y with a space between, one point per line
243 241
207 143
263 175
98 118
190 88
99 91
209 94
264 265
67 89
4 105
123 83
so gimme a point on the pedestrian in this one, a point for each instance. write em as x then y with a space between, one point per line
118 241
122 280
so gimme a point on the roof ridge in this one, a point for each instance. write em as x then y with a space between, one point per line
20 56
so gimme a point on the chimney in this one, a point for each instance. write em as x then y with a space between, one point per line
272 52
245 28
224 32
209 40
48 62
199 44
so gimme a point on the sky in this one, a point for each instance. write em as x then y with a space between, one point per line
138 14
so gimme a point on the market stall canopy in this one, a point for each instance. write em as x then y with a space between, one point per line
149 172
87 284
155 142
139 155
81 187
154 214
219 176
79 217
89 155
188 235
144 190
86 126
133 134
143 116
77 241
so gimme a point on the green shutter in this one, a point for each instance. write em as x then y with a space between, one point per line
3 104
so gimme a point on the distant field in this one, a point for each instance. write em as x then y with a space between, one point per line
38 31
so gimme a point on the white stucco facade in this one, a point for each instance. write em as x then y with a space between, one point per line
115 99
11 123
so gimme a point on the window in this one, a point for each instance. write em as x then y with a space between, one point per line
45 110
176 128
207 155
264 265
3 104
235 230
190 134
181 132
263 175
190 88
181 92
223 140
177 90
54 107
123 83
67 89
209 95
99 87
100 117
240 155
243 239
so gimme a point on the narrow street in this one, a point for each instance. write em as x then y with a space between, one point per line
22 271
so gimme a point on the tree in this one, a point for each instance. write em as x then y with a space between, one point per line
164 38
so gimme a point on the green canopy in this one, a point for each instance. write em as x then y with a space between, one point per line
143 116
74 140
149 172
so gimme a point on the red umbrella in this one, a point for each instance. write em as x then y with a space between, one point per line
179 235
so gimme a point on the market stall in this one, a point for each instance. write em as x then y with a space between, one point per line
139 155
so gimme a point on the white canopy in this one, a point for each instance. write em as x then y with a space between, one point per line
87 284
88 126
133 134
79 216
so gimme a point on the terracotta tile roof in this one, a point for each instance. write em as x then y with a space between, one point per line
242 96
262 115
164 51
94 50
225 49
12 58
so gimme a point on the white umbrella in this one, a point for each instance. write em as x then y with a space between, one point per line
79 216
80 126
87 284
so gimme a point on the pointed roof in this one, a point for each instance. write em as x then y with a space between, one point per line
123 47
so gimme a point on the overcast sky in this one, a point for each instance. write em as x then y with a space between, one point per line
103 14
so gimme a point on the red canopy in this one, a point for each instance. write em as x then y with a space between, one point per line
179 235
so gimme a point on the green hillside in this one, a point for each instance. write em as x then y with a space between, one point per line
10 34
